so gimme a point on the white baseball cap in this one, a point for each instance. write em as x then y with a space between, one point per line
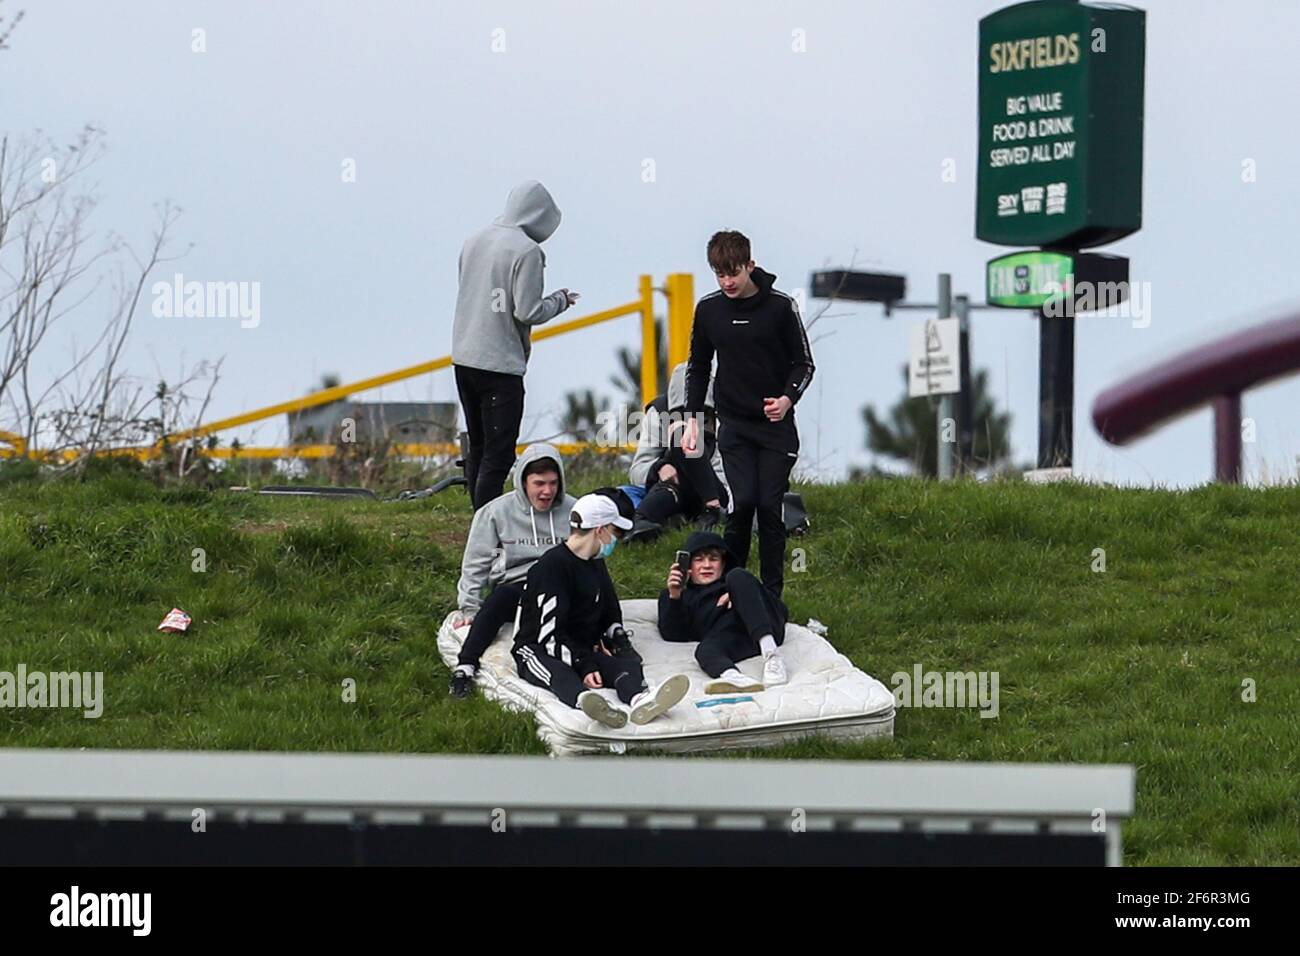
595 511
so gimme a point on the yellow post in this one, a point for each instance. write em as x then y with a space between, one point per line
681 312
649 348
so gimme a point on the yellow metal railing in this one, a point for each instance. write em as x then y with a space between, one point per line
678 289
18 446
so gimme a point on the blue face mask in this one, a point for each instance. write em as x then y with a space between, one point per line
607 548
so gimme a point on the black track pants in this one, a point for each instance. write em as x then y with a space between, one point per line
623 674
759 477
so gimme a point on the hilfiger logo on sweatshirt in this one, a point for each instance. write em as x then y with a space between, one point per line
740 321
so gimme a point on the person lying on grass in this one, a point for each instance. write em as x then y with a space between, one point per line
506 538
732 615
570 639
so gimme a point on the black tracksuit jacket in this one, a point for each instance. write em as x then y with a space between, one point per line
762 352
567 606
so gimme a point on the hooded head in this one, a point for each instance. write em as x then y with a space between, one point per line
531 208
536 452
704 570
677 389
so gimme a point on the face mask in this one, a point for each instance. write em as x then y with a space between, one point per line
607 548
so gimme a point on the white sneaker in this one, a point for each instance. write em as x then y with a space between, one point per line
733 682
594 705
649 704
774 672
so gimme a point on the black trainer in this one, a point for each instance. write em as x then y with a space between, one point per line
644 531
710 518
462 684
619 643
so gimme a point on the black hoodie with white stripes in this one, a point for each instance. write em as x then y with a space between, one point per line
762 352
568 605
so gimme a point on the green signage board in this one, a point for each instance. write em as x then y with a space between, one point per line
1080 281
1060 124
1027 280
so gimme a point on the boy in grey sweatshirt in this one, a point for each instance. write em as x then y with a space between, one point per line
505 538
498 302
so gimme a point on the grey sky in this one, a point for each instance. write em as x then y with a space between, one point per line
814 155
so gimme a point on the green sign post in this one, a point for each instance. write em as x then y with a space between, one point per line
1061 91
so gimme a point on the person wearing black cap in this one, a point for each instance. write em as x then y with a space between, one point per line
731 614
569 637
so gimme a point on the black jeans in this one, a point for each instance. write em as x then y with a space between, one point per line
759 476
696 485
497 610
494 407
760 611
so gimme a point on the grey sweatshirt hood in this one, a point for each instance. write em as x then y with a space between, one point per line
531 208
677 389
532 453
508 534
500 295
650 445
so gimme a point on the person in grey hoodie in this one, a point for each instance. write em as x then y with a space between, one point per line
505 538
676 483
498 302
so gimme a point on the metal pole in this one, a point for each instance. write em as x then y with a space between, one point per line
1055 390
1227 438
965 411
946 448
649 347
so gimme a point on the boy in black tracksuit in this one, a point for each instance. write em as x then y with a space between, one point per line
569 637
729 612
764 367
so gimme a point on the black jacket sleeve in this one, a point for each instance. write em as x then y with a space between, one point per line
699 365
611 612
797 348
674 619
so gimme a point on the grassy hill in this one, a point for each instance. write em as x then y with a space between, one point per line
1143 663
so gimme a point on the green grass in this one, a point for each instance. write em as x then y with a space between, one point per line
1142 664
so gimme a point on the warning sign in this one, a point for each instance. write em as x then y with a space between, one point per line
934 365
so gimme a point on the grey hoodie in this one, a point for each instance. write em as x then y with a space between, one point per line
507 534
500 295
649 447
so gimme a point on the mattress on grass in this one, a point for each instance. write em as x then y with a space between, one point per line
826 696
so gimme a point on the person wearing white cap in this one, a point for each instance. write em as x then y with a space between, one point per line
569 638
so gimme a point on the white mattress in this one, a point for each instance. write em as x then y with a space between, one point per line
826 696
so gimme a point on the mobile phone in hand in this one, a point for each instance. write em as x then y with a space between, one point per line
684 561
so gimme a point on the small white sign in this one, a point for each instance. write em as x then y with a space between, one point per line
934 365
